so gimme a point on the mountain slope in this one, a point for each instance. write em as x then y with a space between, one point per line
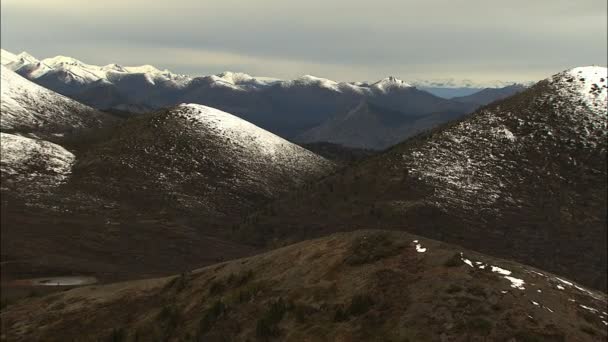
29 108
32 163
370 126
523 178
489 95
152 195
367 285
197 153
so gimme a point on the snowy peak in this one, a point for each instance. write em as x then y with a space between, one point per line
235 77
588 84
28 107
82 73
390 83
26 57
236 129
62 61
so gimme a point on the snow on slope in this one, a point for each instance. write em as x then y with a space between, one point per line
33 163
209 162
389 83
27 106
254 139
589 84
7 57
473 160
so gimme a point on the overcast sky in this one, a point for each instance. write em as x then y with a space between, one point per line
346 40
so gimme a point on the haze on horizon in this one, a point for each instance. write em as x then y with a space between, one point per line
343 40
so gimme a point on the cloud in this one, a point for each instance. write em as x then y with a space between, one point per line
339 39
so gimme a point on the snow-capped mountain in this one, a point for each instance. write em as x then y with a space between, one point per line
157 192
522 178
284 107
190 158
29 108
75 71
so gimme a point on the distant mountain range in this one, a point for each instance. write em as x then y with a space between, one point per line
299 109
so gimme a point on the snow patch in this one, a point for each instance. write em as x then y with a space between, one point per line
32 162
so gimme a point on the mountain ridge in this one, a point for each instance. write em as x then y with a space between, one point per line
357 286
520 177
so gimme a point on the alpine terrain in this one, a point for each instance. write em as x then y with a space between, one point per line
147 196
523 178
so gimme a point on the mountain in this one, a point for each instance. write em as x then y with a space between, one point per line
32 163
152 195
489 95
361 286
196 158
285 107
523 178
29 108
369 126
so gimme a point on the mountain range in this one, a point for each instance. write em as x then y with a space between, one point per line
294 109
163 183
523 178
193 223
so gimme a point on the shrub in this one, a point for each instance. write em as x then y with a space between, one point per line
211 315
267 325
169 315
217 287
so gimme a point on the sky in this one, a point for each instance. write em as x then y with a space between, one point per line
354 40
